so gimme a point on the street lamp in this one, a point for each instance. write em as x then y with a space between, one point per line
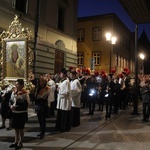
142 57
112 40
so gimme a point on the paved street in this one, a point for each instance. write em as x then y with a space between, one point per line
122 132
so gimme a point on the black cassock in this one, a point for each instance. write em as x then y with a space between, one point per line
63 120
75 116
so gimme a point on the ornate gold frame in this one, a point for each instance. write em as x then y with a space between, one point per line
13 70
16 34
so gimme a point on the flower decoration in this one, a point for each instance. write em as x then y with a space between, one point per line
96 73
83 69
120 75
71 68
78 70
113 71
123 72
104 75
102 72
87 71
31 75
4 84
126 71
30 87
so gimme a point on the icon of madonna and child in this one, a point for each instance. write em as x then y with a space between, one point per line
15 64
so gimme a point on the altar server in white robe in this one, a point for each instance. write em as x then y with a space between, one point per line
63 121
76 90
52 85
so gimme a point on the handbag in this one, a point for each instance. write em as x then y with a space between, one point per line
37 108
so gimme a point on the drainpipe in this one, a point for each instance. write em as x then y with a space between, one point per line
36 32
135 108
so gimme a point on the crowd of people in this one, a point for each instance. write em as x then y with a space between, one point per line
64 94
144 91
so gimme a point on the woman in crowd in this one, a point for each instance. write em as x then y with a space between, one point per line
100 97
91 91
109 89
20 99
42 103
145 92
6 112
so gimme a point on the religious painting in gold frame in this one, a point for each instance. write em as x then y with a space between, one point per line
15 59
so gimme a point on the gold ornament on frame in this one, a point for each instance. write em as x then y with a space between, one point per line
16 55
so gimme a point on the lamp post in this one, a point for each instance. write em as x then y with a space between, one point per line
135 106
112 40
142 57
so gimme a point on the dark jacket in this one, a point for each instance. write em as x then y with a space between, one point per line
145 92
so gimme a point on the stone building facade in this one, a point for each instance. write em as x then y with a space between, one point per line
53 26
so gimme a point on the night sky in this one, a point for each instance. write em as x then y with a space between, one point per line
98 7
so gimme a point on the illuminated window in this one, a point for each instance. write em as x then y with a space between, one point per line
80 58
96 56
80 35
97 34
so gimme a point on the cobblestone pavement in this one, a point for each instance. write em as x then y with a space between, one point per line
122 132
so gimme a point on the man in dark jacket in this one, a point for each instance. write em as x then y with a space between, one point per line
145 92
91 87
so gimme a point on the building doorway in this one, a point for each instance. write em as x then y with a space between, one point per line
59 61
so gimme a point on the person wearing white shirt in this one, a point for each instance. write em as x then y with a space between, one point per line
76 90
52 85
63 120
